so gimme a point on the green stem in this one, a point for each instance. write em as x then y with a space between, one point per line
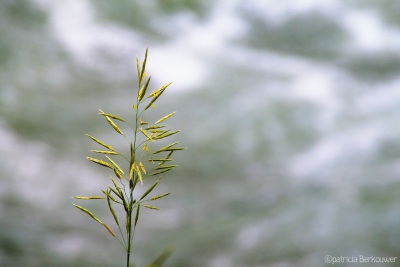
127 259
129 237
131 188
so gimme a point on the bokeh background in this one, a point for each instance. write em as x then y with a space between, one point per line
290 110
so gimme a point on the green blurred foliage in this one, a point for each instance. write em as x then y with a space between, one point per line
311 35
234 196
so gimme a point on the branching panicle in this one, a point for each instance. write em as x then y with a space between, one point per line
142 163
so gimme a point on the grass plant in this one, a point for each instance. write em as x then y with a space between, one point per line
144 163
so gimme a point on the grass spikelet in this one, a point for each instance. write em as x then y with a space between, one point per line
145 147
108 194
168 157
150 207
100 142
160 196
149 190
90 197
159 91
138 68
116 128
160 172
143 69
110 115
156 94
165 117
142 122
118 174
159 160
88 213
131 171
142 90
137 213
142 167
153 127
168 146
164 135
118 168
100 162
118 194
109 230
163 167
112 210
105 152
146 134
139 173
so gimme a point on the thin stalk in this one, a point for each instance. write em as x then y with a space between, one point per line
128 249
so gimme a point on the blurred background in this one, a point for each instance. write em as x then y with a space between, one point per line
290 110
